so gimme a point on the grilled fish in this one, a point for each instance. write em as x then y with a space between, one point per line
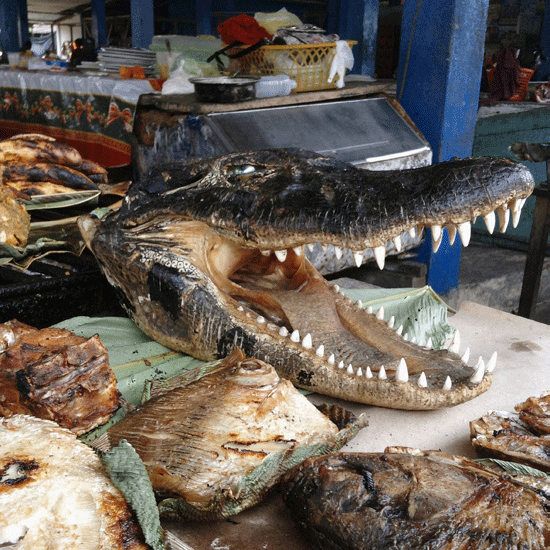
44 171
55 493
406 499
15 221
32 148
57 375
522 436
214 446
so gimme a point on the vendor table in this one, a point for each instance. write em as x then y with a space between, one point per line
92 111
523 347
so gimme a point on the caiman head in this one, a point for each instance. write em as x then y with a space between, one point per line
208 255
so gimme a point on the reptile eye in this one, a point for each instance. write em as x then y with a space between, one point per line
245 170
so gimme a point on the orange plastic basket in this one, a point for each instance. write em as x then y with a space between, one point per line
525 76
308 64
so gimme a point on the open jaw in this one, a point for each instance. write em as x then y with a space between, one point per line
209 256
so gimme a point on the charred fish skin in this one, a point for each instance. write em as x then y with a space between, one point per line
406 499
208 256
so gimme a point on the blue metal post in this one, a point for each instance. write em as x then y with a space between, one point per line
203 11
439 74
142 23
11 23
360 23
99 23
23 20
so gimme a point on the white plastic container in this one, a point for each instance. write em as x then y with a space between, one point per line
270 86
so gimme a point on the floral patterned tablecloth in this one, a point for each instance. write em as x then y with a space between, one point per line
92 111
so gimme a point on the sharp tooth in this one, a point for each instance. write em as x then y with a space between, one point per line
240 308
515 206
436 232
492 363
448 384
359 304
380 313
451 229
382 373
307 341
320 351
358 257
413 340
465 231
260 319
265 252
380 256
336 288
402 374
477 377
400 330
454 347
368 373
298 250
503 218
490 221
406 337
283 332
349 370
422 382
311 246
397 243
281 255
341 365
429 343
391 322
359 372
412 232
295 336
331 359
369 309
466 357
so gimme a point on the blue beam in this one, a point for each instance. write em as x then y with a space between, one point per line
13 24
142 23
439 74
360 23
99 22
203 10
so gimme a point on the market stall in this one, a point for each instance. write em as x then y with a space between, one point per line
91 110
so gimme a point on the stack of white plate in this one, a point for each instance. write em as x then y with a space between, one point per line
89 65
111 59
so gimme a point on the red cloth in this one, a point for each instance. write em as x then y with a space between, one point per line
242 28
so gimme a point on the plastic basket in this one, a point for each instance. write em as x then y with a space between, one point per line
308 64
525 76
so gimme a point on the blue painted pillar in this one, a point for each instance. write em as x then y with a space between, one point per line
13 24
203 16
439 74
360 23
23 20
142 23
99 22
